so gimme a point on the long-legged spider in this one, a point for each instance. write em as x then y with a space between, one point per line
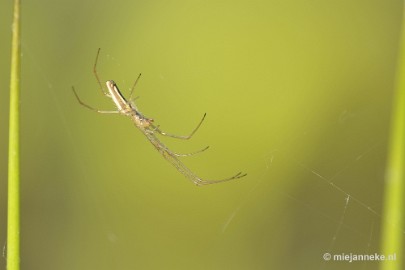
146 126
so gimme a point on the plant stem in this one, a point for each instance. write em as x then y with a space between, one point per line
13 212
393 218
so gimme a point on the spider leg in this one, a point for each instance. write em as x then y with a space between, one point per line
187 154
105 93
201 182
156 128
133 87
88 106
172 158
163 147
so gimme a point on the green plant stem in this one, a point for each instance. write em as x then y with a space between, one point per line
393 218
13 212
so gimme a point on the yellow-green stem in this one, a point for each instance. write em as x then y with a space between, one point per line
13 211
393 218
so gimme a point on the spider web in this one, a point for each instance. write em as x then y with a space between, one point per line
348 200
340 217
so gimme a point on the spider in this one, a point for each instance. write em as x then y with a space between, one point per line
149 129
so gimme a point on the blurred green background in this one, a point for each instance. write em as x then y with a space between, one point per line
298 94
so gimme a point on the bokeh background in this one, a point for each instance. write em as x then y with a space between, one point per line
298 94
